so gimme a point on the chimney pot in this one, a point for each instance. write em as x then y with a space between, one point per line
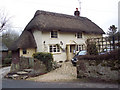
76 13
76 9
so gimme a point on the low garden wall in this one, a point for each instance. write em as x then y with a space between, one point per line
29 63
25 67
40 64
105 67
102 69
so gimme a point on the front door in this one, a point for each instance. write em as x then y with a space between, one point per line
70 51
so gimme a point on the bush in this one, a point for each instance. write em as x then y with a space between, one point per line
46 58
6 62
91 48
113 55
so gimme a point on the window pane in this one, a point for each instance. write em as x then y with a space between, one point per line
54 34
79 35
24 51
54 48
77 48
50 48
58 49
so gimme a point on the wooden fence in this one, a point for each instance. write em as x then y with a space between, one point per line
106 43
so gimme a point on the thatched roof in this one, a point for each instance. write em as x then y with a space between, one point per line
47 21
43 20
26 40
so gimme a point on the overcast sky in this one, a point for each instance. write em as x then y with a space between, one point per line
102 12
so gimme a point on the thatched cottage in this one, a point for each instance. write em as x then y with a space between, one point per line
60 34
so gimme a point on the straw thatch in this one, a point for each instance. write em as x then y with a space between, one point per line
47 21
26 40
43 20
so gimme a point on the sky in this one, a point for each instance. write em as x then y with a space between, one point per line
102 12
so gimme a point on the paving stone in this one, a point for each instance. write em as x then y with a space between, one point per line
28 70
22 73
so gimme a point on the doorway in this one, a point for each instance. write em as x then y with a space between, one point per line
70 51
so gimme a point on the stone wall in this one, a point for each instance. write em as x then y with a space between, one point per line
107 70
29 63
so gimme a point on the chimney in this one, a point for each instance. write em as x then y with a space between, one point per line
77 13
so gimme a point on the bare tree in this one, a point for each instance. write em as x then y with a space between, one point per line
4 20
9 37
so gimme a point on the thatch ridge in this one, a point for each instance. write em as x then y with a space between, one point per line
45 21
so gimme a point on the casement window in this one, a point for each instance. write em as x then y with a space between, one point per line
24 51
79 35
54 48
54 34
79 47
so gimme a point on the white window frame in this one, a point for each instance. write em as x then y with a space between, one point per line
79 47
24 51
54 49
79 35
55 34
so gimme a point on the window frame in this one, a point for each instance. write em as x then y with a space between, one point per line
54 34
79 35
24 51
54 48
79 47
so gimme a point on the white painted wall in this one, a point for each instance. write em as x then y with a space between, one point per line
65 37
38 38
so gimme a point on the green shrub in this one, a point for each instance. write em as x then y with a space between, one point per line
91 48
6 62
113 55
9 54
46 58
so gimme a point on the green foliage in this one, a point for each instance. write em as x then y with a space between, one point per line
113 55
6 62
46 58
112 30
9 54
8 59
91 48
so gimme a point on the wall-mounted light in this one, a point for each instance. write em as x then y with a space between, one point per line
44 42
61 42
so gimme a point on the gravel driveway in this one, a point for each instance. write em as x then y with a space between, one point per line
65 73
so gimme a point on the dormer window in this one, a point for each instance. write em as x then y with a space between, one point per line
54 34
79 35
